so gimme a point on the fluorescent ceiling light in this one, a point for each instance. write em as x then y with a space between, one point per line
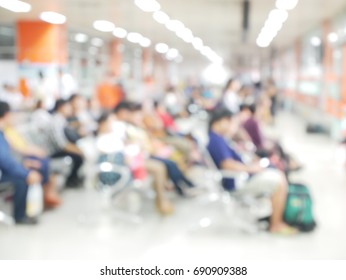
172 54
333 37
104 25
148 5
97 42
15 6
286 4
206 50
316 41
197 43
262 43
53 17
185 34
161 17
119 32
161 48
174 25
145 42
134 37
81 38
277 15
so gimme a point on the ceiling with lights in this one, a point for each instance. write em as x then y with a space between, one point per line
196 30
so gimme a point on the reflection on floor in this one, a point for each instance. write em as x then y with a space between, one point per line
84 229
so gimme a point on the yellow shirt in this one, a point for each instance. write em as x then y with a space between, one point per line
16 141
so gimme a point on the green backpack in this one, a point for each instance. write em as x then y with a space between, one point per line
298 211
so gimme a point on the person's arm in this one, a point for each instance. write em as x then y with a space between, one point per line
233 165
9 165
72 148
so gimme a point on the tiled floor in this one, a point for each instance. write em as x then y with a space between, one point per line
84 228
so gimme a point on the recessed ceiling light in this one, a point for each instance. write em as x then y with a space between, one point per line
286 4
53 17
119 32
174 25
104 25
97 42
333 37
81 38
148 5
145 42
197 43
134 37
172 54
161 17
316 41
15 6
161 48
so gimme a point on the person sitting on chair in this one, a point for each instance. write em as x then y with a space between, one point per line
261 181
13 172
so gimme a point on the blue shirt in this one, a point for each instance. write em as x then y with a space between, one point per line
9 167
220 151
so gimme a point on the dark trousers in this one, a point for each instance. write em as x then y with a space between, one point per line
77 162
44 168
174 173
19 197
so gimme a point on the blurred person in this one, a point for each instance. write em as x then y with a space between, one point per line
265 147
67 85
156 150
45 90
80 122
60 146
173 102
272 93
13 172
35 158
230 97
12 96
110 126
93 108
108 93
261 181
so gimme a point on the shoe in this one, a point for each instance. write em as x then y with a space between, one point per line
74 183
29 221
164 207
51 201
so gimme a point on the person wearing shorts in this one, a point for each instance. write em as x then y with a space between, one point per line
260 181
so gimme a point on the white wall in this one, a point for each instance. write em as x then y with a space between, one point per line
8 72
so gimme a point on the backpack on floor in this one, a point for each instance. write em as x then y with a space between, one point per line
298 211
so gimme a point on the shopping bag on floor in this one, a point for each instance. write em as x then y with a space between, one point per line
34 201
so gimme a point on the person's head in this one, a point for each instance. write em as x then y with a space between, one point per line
63 107
136 114
40 75
78 103
246 111
232 85
39 105
123 111
4 113
220 121
105 124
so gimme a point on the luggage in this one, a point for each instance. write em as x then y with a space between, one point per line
298 211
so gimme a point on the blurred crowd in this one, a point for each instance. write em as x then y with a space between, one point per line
146 139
